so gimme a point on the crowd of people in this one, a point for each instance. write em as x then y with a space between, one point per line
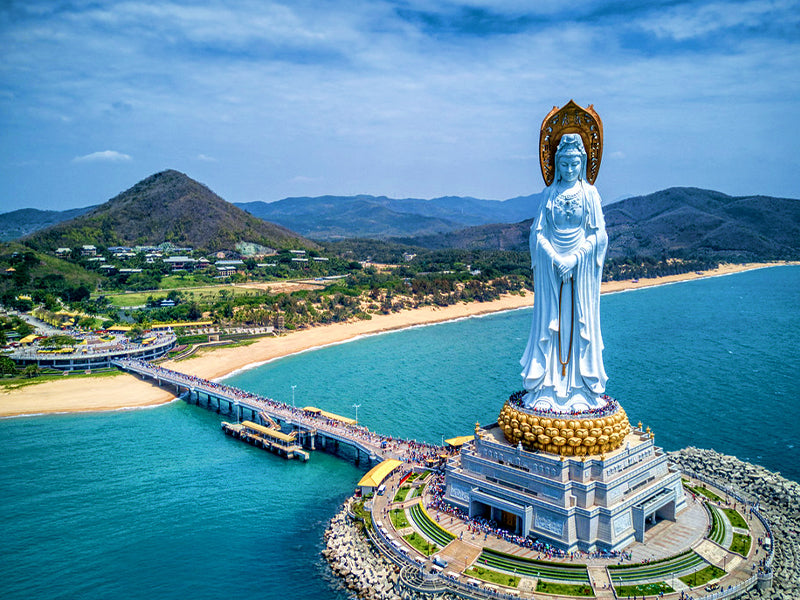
487 527
409 451
609 408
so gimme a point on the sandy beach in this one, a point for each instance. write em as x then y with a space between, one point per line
78 394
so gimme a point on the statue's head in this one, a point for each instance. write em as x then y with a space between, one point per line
570 149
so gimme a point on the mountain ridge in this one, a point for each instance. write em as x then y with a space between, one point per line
677 221
166 206
381 217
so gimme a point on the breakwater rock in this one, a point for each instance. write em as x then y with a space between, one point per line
351 556
367 574
779 500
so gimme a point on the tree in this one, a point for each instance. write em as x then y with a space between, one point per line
31 371
7 366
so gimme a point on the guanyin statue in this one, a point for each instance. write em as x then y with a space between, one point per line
563 361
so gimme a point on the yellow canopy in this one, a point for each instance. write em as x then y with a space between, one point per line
457 442
29 339
119 328
330 415
379 472
273 433
182 324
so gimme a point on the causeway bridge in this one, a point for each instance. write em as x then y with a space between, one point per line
315 430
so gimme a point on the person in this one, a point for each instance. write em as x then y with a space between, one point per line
563 363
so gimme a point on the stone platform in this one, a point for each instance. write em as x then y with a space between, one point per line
586 503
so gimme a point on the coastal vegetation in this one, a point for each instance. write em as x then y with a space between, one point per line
420 543
363 515
703 491
735 518
565 589
643 589
493 576
400 495
702 576
398 517
170 250
741 544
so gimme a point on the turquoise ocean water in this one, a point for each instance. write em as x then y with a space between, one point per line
160 504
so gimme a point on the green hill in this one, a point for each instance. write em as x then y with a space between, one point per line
26 271
24 221
166 207
676 222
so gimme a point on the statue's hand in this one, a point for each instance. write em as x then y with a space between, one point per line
565 266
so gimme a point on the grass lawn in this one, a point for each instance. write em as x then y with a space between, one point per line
741 544
421 544
707 493
702 576
735 518
643 589
399 519
401 494
566 589
206 349
492 576
18 381
203 293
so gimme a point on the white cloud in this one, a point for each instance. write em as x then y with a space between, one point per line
690 21
206 158
103 156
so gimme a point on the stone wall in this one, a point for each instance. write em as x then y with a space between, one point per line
351 556
780 504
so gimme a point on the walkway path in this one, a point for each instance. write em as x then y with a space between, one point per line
667 538
379 446
600 582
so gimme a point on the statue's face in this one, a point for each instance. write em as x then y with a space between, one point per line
569 167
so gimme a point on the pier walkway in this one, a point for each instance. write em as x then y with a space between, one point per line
314 429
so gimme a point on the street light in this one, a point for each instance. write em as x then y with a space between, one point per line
294 386
356 407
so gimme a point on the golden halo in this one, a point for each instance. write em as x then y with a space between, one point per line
571 118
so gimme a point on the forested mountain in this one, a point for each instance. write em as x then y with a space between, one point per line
676 222
166 207
18 223
337 217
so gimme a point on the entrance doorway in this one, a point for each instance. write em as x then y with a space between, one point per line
509 521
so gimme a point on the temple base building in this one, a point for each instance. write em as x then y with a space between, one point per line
589 502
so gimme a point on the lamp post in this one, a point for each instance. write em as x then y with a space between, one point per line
294 386
356 407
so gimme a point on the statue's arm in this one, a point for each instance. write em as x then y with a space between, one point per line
542 242
596 238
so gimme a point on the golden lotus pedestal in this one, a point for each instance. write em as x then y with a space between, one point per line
580 434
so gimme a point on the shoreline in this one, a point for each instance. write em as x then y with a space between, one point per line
125 392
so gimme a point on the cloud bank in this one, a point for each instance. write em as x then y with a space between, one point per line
395 97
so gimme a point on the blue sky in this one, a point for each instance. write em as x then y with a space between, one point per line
261 100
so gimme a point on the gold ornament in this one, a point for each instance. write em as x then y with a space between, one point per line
568 436
571 118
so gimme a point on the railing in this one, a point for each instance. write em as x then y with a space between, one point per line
463 589
356 436
731 591
753 506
